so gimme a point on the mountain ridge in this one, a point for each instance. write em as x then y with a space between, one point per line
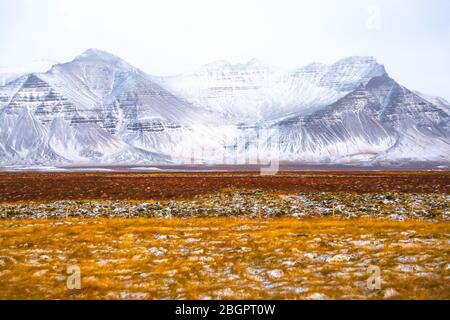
98 109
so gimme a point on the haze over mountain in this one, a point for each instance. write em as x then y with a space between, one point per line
10 73
98 109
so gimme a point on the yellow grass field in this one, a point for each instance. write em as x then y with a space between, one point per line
224 258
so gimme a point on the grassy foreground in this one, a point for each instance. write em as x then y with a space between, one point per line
224 258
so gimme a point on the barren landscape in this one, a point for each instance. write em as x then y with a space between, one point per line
225 235
40 186
252 150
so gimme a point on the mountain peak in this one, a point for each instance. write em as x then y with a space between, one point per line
360 68
96 54
99 58
358 59
94 51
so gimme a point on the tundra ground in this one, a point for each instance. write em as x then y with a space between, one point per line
272 242
224 258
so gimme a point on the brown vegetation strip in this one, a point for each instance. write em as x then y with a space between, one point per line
142 186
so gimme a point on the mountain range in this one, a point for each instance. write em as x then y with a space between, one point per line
100 110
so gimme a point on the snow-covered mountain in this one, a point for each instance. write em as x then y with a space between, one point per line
254 92
381 121
98 109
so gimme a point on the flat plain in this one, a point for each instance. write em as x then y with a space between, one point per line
225 235
40 186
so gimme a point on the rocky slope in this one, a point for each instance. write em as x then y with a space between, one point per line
381 121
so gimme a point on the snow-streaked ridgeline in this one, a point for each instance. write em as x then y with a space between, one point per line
99 110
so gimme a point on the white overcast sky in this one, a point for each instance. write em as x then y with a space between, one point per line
411 37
